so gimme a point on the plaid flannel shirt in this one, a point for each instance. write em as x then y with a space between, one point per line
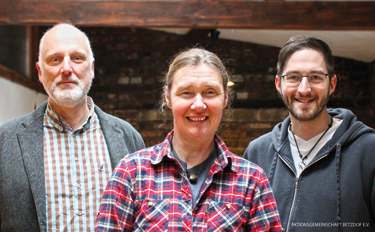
149 191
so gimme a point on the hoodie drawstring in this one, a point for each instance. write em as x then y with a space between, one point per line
337 158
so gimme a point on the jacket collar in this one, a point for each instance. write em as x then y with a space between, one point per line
31 144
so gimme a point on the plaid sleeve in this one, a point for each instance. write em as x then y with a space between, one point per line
264 215
117 206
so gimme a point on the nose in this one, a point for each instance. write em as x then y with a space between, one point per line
67 67
304 87
198 103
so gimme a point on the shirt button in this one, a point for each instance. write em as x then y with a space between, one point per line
80 213
150 203
76 158
78 185
228 206
196 208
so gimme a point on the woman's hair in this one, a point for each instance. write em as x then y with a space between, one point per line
193 57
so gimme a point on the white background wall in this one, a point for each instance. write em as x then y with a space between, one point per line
17 100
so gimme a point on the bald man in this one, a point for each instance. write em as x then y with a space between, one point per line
55 161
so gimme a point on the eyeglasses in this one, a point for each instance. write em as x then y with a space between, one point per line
314 79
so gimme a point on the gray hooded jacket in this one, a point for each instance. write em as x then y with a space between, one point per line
336 191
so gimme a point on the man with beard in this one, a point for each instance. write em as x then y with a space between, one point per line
319 161
55 162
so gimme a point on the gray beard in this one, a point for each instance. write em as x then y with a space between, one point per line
67 98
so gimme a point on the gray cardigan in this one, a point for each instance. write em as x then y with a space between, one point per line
22 181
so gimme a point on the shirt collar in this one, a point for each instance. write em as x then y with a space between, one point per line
59 122
224 156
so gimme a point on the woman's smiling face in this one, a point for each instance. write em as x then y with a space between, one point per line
197 99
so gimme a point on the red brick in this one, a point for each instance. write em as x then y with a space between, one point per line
229 134
259 125
231 142
151 134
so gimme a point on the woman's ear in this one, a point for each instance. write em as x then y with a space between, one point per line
167 96
226 97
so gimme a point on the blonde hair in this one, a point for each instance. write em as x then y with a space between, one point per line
193 57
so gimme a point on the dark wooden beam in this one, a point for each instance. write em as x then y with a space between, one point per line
33 52
20 79
194 36
204 14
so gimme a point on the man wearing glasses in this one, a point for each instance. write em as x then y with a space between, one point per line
320 162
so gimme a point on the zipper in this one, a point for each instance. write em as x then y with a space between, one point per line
295 191
315 162
294 200
296 186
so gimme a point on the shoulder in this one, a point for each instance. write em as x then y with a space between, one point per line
246 167
262 140
107 119
143 159
257 145
250 174
12 124
24 121
112 119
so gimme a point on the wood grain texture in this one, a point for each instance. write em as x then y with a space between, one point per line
203 14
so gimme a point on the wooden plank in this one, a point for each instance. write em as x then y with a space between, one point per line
204 14
20 79
194 36
33 52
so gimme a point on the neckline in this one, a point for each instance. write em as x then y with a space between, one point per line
193 177
302 164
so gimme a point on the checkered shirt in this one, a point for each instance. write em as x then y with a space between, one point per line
149 191
77 168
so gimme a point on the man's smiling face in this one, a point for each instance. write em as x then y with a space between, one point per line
305 102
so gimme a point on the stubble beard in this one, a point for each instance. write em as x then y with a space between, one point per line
306 114
69 96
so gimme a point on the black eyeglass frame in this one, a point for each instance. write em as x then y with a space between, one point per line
307 76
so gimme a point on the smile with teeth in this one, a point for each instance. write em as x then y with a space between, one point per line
305 101
197 119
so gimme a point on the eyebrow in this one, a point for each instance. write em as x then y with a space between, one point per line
71 53
312 72
187 85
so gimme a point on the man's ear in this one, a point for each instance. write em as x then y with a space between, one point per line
92 70
332 84
278 83
39 72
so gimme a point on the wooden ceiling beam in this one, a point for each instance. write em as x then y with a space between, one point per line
15 77
198 14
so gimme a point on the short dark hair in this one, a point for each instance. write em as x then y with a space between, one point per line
297 43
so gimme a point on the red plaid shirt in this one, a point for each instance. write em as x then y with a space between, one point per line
149 191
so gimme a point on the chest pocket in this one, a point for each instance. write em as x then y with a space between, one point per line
153 215
224 216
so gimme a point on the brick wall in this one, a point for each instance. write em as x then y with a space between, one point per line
130 65
236 130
